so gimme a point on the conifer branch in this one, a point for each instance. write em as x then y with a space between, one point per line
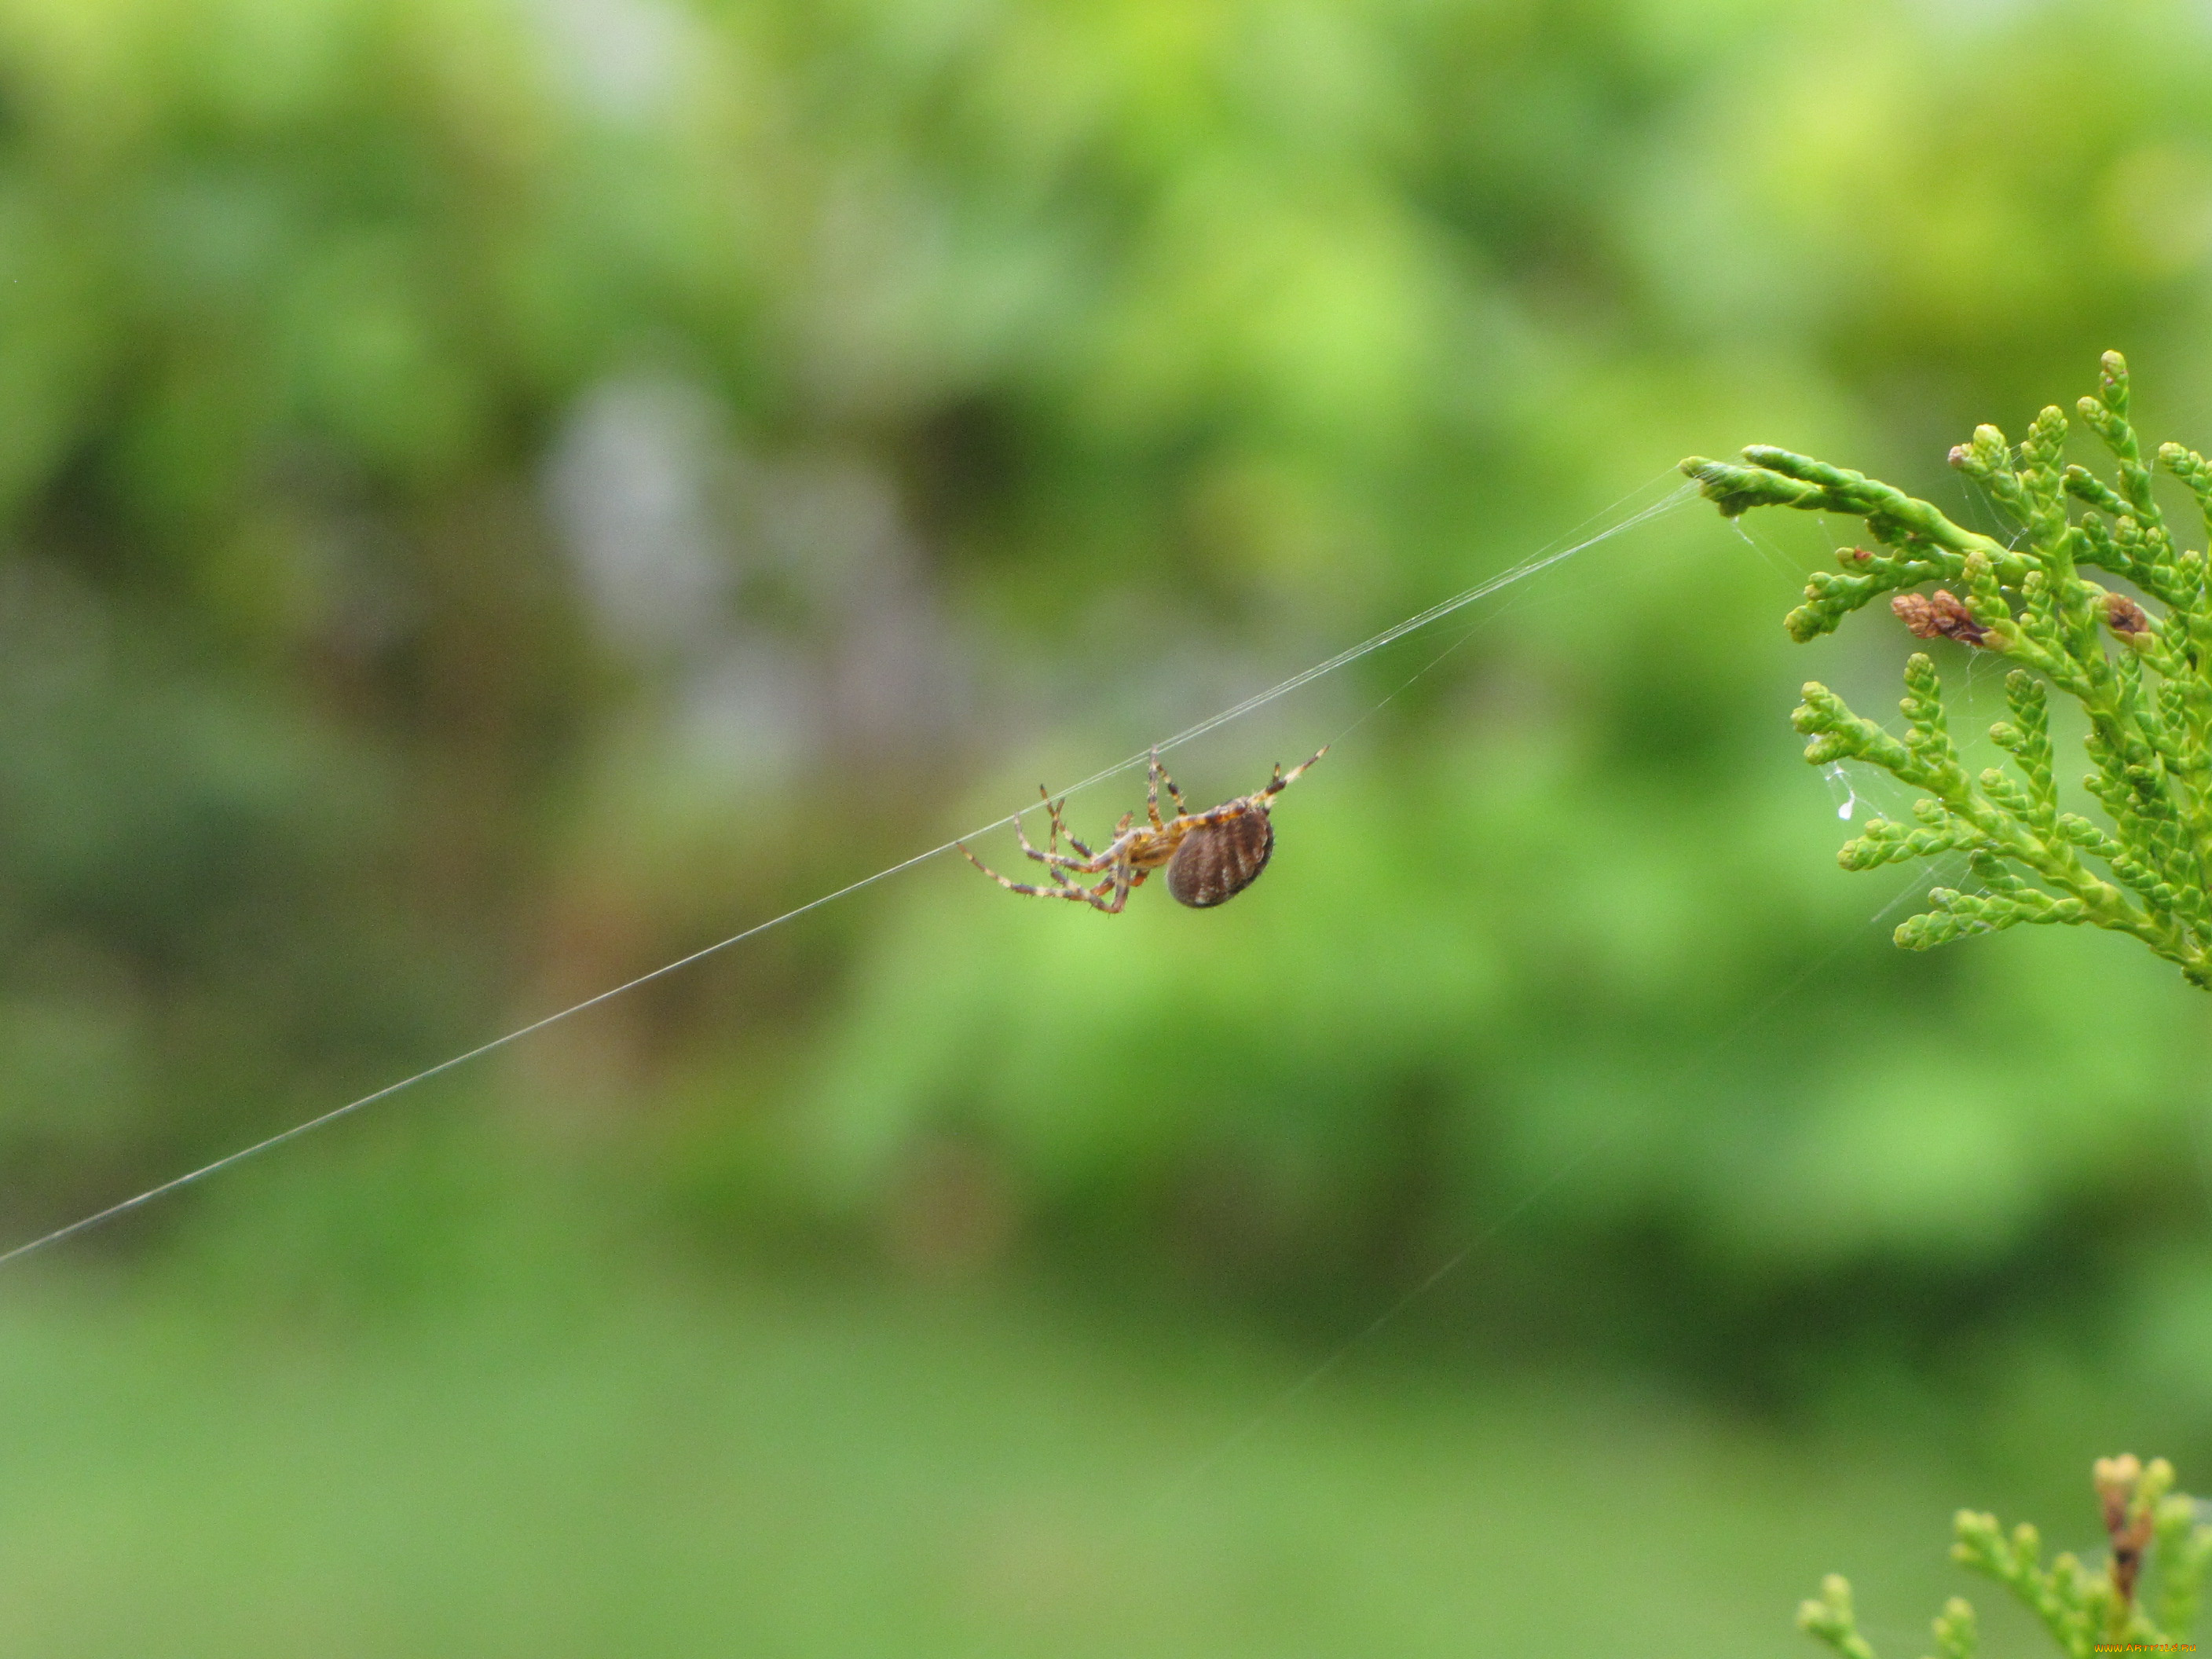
2143 677
2086 1609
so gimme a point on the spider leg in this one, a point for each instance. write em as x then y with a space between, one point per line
1056 860
1173 794
1282 781
1065 891
1052 855
1152 776
1052 846
1060 824
1120 884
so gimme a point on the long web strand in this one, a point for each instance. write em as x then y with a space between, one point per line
1436 612
1468 632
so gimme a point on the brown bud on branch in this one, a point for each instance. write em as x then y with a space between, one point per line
2126 619
2129 1523
1939 614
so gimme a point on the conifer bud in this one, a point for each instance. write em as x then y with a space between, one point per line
1938 614
2126 619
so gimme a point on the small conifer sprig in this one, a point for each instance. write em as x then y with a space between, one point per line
2144 678
2086 1609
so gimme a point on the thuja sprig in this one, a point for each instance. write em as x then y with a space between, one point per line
2086 1609
2144 680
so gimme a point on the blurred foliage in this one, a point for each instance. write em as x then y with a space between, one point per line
497 495
673 1468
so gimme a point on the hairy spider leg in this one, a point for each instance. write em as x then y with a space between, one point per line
1155 775
1174 794
1261 798
1122 885
1066 890
1061 864
1111 894
1097 897
1059 823
1052 842
1282 782
1054 860
1051 855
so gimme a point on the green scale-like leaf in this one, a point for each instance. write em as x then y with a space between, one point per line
2143 679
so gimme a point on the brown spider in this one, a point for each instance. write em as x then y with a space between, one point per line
1211 857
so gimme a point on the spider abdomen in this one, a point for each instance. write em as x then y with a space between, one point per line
1217 861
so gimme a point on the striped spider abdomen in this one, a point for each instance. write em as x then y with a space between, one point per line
1217 861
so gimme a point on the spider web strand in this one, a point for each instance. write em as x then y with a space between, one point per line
1436 612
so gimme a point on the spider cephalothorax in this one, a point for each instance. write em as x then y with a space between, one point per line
1211 857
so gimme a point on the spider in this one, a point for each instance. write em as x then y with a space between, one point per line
1211 857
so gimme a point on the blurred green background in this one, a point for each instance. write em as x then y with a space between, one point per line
500 493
